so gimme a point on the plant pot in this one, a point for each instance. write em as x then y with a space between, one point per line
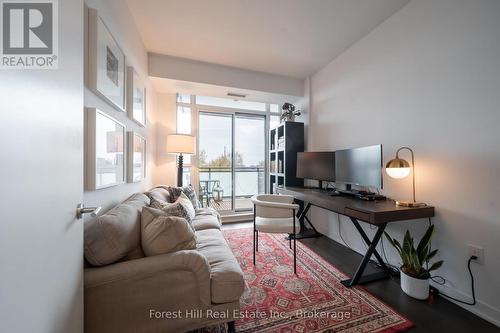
416 288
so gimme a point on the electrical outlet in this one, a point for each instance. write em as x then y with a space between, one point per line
476 251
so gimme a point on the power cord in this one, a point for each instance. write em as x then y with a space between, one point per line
393 268
340 234
443 281
437 278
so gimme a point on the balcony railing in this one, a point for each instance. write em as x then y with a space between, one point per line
248 180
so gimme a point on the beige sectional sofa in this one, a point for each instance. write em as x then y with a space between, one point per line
176 292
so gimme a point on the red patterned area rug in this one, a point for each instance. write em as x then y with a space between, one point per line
276 300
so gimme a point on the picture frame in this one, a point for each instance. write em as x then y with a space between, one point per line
105 150
106 63
136 161
136 97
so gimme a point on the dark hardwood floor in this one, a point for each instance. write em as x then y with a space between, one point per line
434 315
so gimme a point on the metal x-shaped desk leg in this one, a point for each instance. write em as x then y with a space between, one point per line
358 277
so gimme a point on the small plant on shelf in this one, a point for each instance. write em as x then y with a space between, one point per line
415 268
288 112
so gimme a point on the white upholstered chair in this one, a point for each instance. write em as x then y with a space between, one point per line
275 214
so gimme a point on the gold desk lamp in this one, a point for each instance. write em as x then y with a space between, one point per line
399 168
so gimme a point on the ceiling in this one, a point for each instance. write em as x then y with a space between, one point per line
294 38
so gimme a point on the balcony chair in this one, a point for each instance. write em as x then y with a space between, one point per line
275 214
207 191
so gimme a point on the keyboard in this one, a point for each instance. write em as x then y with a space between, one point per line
371 197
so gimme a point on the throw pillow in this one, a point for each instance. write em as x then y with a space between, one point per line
161 234
189 191
182 207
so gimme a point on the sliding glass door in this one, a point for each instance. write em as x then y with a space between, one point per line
215 162
250 159
231 159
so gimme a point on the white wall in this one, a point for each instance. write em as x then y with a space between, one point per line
427 78
118 19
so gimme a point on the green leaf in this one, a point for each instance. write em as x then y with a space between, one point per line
406 259
407 244
393 242
422 255
399 247
435 266
425 240
415 261
431 255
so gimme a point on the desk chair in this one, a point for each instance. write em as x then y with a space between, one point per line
275 214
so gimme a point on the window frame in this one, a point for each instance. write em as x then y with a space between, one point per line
196 109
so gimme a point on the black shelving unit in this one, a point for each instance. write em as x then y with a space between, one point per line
285 141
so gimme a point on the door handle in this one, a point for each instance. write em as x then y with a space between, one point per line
80 210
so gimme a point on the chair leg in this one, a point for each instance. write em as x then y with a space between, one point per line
254 247
294 254
294 246
254 231
257 240
230 327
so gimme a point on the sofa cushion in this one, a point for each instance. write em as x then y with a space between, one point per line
162 234
206 221
111 236
159 193
207 211
182 207
226 283
189 191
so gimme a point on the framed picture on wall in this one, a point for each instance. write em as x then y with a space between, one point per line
136 167
136 97
106 63
105 150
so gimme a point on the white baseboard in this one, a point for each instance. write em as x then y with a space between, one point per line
481 309
234 218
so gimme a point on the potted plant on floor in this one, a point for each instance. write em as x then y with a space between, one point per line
415 270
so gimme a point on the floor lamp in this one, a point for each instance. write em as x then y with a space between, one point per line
181 144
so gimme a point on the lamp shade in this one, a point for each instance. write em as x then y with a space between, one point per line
181 144
397 168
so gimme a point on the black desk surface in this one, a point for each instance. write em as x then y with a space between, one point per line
374 212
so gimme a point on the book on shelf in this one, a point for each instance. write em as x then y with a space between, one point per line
281 142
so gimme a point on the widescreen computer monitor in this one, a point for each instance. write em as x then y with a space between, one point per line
316 165
359 166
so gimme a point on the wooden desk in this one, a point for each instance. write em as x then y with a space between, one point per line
377 213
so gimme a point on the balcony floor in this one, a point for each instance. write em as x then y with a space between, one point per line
240 203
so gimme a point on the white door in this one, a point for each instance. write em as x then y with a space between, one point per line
41 171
